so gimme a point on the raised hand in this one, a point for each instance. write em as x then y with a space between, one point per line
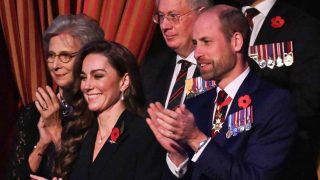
34 177
175 150
48 105
178 125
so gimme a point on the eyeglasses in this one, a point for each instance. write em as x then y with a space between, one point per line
64 57
174 18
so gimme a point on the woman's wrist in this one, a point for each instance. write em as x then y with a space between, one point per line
40 147
56 136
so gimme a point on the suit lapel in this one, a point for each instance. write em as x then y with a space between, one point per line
202 107
108 150
267 32
248 87
196 73
167 73
81 168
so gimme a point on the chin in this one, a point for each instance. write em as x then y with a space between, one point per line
172 44
63 83
93 108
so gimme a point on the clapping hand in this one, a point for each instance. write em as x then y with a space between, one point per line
164 135
34 177
48 104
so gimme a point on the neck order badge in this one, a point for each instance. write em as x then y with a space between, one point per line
223 100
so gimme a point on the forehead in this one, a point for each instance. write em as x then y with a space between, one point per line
207 22
173 5
95 61
64 42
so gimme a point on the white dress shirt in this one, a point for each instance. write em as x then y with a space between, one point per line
177 68
263 7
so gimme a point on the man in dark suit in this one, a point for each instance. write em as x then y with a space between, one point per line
247 133
161 68
287 34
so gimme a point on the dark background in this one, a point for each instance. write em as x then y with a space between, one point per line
9 96
308 6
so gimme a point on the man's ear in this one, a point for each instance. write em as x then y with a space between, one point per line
124 83
237 41
201 9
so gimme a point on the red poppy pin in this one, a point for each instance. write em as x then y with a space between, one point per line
244 101
114 135
277 22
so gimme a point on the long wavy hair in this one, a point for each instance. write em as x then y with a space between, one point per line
123 61
84 29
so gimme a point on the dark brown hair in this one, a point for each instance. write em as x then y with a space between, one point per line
73 133
85 29
123 61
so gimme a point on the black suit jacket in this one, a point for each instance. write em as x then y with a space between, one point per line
135 155
303 77
156 72
255 154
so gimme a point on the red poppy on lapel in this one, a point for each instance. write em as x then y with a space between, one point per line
114 135
277 22
244 101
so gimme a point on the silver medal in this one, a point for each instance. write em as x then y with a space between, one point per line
279 62
262 63
288 59
270 63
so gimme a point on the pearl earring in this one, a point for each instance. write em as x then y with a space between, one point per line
122 96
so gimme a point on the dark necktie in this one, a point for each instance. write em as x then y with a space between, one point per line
178 87
222 103
250 14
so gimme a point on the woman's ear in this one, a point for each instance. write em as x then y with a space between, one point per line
124 83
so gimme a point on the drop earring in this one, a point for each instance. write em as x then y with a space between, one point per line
122 96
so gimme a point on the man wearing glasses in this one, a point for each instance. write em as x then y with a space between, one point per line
161 70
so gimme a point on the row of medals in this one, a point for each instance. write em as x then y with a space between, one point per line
272 55
240 121
197 85
237 123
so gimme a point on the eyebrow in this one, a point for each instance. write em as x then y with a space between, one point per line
203 38
59 52
94 71
171 11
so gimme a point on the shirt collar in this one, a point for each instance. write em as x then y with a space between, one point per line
190 58
263 7
233 87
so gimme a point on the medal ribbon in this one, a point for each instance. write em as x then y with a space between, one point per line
223 100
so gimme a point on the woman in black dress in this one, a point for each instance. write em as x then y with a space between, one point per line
120 145
40 124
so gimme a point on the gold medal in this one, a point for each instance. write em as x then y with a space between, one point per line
229 134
